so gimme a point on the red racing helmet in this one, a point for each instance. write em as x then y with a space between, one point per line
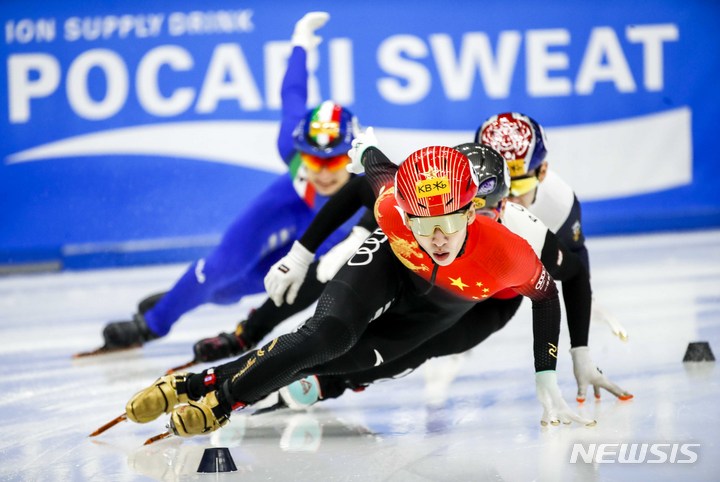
435 180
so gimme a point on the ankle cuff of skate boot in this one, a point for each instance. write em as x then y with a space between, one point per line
235 344
145 332
243 343
181 388
331 387
149 303
242 337
196 385
226 400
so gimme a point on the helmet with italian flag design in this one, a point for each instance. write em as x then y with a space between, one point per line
326 131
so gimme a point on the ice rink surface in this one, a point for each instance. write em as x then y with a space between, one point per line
664 288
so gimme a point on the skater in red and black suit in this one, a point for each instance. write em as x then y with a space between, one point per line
431 262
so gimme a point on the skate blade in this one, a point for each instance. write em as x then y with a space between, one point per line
278 406
108 425
103 350
182 367
157 437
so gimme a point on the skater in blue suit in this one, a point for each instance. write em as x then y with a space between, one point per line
314 144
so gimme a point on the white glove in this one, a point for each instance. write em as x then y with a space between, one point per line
361 142
285 277
555 409
599 314
304 33
586 373
334 259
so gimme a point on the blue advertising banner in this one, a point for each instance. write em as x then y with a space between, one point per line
135 133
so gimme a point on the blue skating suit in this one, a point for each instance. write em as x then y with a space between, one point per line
263 232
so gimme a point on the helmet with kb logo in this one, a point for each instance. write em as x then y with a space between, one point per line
434 181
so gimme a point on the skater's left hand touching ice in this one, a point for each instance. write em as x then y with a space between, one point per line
555 409
586 374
